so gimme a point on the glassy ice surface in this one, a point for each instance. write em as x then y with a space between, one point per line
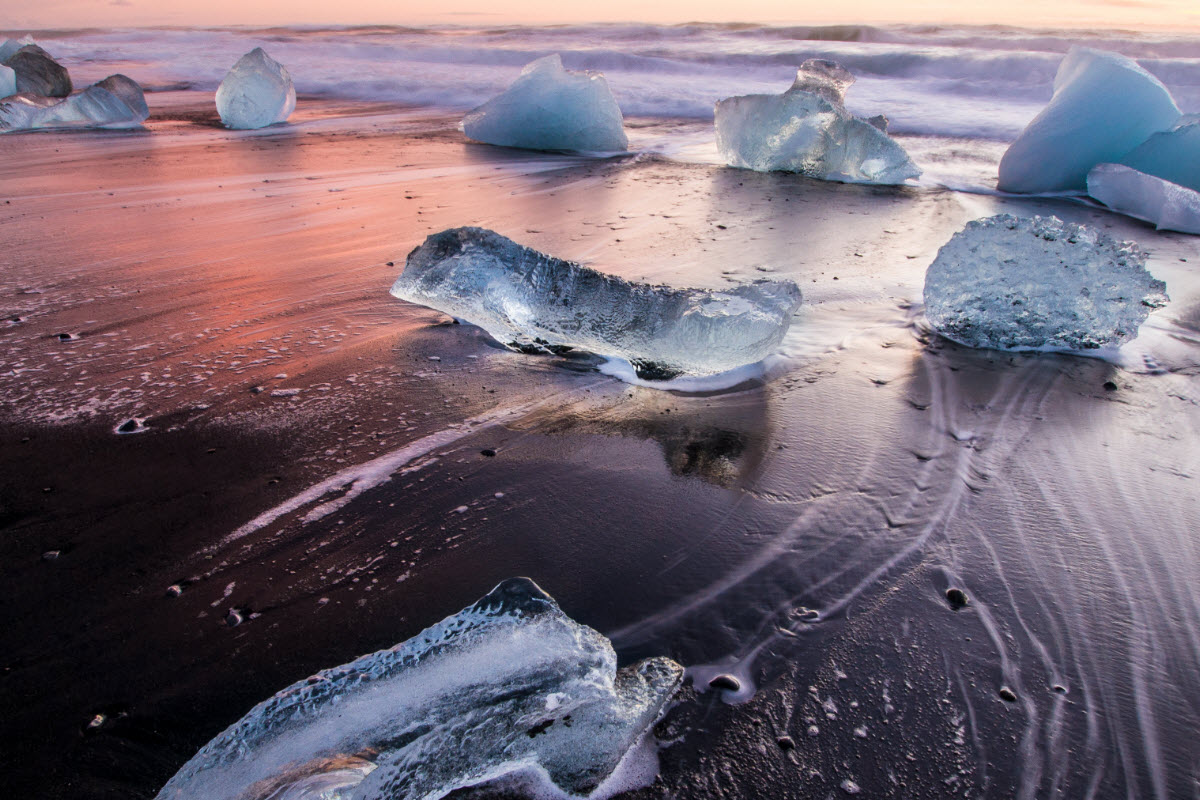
257 92
8 81
534 302
551 108
1104 106
509 684
11 46
1173 155
1168 205
1012 283
115 102
807 129
36 71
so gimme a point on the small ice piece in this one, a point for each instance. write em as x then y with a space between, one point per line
807 129
1169 206
1012 283
509 684
36 72
1104 105
11 46
536 303
1173 155
549 108
257 92
8 81
115 102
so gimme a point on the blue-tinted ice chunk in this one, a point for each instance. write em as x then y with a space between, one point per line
1169 206
115 102
807 129
8 81
257 92
534 302
1010 283
509 684
1173 155
550 108
1104 106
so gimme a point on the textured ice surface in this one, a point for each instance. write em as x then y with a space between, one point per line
1104 106
11 46
550 108
532 301
38 73
1173 155
1168 205
256 92
115 102
508 684
807 129
1014 283
8 81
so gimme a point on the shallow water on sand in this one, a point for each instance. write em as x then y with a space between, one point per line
306 461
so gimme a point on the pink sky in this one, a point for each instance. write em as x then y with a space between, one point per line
1151 14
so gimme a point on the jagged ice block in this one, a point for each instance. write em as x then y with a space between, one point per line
115 102
257 92
1167 205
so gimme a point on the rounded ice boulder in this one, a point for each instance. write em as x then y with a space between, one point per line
257 92
1104 105
551 108
38 73
1010 283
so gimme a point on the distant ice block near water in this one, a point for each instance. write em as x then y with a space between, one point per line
509 684
1173 154
8 81
257 92
807 129
1104 106
551 108
534 302
1169 206
35 71
115 102
1010 283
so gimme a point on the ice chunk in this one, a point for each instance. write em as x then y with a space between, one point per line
38 73
8 81
1104 105
1173 155
257 92
1014 283
549 108
115 102
11 46
1169 206
534 302
509 684
807 129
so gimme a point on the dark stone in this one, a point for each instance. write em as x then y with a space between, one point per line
1110 386
650 371
786 743
174 590
726 682
539 729
1008 695
391 263
489 452
65 337
957 598
1058 689
38 73
233 618
128 426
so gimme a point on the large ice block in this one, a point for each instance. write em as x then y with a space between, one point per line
551 108
1169 206
1012 283
508 684
807 129
1173 155
115 102
38 73
1104 105
534 302
257 92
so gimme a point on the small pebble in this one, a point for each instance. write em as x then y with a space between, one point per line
1058 689
128 426
174 590
813 730
725 681
50 555
233 618
1008 695
786 743
96 722
1110 386
850 787
957 598
489 452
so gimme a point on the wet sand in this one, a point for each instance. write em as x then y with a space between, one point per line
230 291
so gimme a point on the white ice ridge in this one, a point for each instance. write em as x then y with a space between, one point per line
257 92
551 108
1169 206
807 129
507 685
536 303
1104 105
1012 283
115 102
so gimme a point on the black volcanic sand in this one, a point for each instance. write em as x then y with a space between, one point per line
800 534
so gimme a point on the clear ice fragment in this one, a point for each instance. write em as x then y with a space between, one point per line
1169 206
8 81
509 684
257 92
1173 155
1010 283
1104 105
115 102
551 108
36 72
807 129
534 302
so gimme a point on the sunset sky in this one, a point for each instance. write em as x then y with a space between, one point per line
1073 13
